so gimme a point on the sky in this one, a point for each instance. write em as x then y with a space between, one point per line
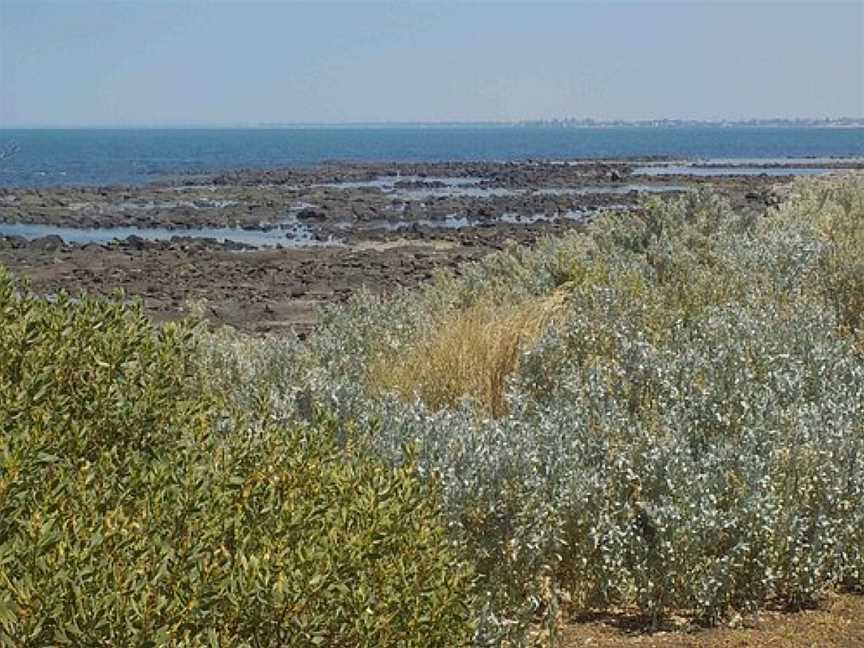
147 62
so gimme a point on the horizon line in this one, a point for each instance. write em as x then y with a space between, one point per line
552 121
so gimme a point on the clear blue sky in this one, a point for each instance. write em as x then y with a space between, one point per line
89 62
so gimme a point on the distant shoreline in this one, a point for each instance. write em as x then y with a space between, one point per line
669 124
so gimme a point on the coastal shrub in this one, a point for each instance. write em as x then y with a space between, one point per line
471 353
842 266
70 368
659 413
132 512
684 437
264 401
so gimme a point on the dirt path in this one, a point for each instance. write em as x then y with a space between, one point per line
839 622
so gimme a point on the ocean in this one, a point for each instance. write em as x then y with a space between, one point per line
51 157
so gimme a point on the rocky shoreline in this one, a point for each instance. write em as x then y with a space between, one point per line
265 248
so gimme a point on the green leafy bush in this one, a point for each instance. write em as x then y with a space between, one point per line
131 514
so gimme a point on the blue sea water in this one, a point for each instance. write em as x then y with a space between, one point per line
138 156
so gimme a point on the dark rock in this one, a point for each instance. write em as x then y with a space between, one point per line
237 245
135 242
420 184
94 247
310 214
48 243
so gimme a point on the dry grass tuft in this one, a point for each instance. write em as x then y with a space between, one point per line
470 352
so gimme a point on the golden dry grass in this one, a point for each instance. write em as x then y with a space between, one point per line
470 352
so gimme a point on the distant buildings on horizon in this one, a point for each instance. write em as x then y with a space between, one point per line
573 122
840 122
567 122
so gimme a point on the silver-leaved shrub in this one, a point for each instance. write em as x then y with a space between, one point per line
686 435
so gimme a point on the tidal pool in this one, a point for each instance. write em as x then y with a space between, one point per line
292 236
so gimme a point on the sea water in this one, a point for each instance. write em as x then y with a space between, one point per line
49 157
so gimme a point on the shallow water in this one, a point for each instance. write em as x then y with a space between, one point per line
458 186
786 161
469 187
294 236
605 189
454 191
453 221
719 171
388 182
522 219
149 205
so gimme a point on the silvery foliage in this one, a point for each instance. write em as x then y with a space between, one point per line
704 465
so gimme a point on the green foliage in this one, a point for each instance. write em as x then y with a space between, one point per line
841 261
128 517
73 367
684 435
